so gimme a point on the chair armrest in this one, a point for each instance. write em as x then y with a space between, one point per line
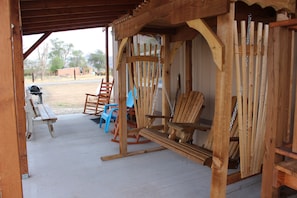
112 105
107 106
88 94
157 116
187 126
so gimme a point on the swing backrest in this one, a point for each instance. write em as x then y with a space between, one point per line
144 70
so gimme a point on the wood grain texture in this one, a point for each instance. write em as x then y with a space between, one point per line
10 172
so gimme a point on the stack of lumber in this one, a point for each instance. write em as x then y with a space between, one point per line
251 80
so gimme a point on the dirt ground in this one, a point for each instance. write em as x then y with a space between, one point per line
66 96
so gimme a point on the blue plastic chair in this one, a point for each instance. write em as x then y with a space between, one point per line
109 112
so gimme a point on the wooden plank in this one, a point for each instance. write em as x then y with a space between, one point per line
286 174
291 94
117 156
289 167
222 107
286 152
143 58
167 10
49 112
284 23
276 119
11 184
19 83
36 44
42 112
192 152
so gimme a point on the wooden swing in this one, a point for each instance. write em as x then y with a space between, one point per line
144 66
183 146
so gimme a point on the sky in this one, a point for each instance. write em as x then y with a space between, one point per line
86 40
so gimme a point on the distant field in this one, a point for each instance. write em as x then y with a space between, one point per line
66 95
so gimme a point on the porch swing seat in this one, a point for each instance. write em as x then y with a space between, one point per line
179 136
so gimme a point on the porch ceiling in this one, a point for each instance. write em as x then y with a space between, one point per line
40 16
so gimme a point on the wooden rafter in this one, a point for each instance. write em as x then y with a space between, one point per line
56 15
165 10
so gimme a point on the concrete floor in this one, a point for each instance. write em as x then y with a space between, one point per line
69 166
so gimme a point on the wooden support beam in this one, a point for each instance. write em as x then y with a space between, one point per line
36 44
222 107
188 66
174 48
215 44
277 105
122 114
19 85
166 10
106 53
10 184
166 78
120 52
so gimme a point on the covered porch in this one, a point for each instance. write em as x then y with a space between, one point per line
70 166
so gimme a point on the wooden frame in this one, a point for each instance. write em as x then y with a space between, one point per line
12 117
223 91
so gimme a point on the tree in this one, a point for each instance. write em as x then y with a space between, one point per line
76 59
56 63
97 59
59 54
42 59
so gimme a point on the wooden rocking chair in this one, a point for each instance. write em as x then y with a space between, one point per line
94 103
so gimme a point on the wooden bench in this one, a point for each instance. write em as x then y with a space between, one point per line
39 114
190 151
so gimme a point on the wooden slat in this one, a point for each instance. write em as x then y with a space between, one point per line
45 112
286 174
286 152
192 152
277 105
289 167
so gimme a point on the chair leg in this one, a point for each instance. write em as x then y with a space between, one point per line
100 121
107 122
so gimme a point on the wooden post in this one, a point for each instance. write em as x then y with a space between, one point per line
122 106
10 185
277 105
106 52
166 77
222 107
188 67
19 85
